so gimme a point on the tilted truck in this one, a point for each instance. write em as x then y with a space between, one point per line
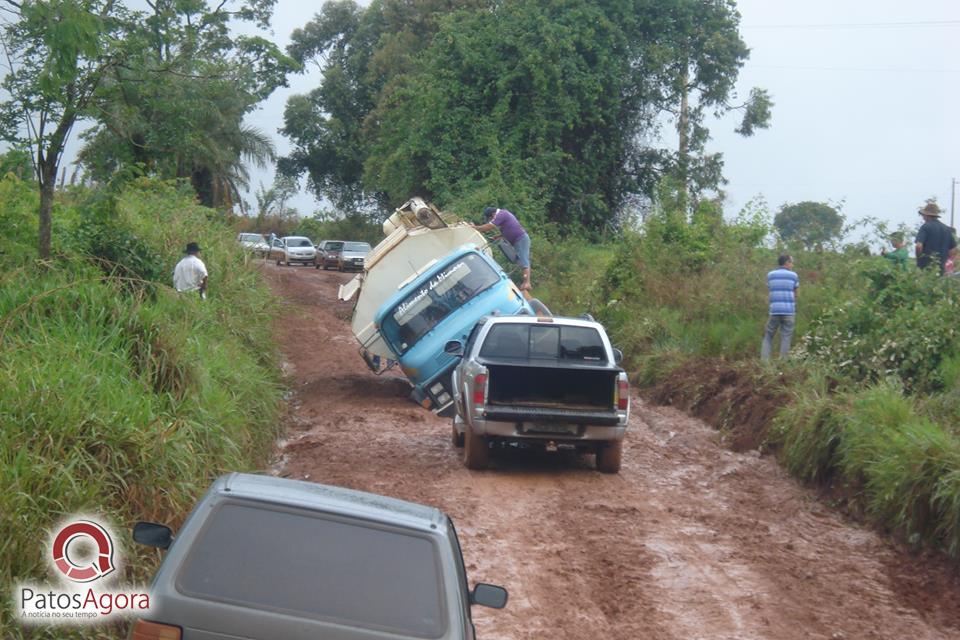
428 282
545 381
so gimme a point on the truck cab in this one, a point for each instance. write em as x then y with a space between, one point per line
440 304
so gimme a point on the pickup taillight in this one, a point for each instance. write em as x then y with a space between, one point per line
479 389
623 394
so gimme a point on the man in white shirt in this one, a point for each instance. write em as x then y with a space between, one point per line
190 273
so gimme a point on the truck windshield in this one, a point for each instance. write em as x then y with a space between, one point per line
436 299
544 342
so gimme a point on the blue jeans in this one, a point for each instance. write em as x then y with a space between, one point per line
785 324
523 251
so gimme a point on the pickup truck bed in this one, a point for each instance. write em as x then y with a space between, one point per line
550 385
547 382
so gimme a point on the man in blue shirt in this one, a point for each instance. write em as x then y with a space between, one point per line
783 284
935 241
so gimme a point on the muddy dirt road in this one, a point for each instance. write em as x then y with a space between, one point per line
689 541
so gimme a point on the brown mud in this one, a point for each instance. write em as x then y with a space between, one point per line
690 540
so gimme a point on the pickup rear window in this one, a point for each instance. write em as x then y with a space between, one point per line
434 300
544 342
318 566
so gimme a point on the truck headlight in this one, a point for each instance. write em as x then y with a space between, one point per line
437 388
443 398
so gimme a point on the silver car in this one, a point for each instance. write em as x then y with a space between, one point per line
293 250
262 558
352 256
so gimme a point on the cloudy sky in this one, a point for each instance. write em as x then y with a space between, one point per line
867 105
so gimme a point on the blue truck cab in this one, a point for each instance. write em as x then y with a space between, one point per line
441 304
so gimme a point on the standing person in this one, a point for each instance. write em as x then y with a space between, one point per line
514 233
190 274
782 283
935 241
899 256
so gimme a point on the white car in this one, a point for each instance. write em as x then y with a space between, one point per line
253 242
293 250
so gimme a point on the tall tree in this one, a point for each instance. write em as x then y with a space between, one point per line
178 112
546 106
59 54
811 224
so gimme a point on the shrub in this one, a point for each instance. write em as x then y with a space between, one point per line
902 326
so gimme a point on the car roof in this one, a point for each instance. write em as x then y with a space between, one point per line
528 319
328 498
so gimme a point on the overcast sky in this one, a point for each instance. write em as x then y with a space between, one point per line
867 105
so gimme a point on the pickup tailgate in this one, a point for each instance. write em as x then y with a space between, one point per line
519 391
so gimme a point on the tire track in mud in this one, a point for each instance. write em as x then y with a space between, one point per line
690 540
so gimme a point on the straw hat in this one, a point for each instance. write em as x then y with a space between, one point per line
930 210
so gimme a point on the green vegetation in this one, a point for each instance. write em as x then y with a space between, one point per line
541 107
866 405
119 396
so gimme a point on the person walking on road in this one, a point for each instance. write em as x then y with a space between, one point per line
514 233
190 274
935 241
782 284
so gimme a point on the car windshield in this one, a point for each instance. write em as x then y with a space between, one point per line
318 565
333 246
359 247
544 342
251 237
435 299
299 242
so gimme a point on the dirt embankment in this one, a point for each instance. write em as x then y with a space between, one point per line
690 540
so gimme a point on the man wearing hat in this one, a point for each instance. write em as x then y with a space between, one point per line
935 240
190 274
514 233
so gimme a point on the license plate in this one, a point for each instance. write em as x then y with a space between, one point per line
550 428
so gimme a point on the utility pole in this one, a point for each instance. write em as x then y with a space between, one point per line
953 189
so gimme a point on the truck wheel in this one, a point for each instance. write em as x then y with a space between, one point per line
476 451
456 436
609 456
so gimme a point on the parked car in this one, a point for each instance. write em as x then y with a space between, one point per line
293 250
254 242
352 256
544 381
328 253
262 557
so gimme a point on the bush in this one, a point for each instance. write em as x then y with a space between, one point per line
125 405
902 326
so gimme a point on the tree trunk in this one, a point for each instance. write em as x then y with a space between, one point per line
47 189
683 153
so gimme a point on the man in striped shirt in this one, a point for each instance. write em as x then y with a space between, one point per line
782 283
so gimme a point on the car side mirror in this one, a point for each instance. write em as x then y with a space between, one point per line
454 348
489 595
617 356
152 534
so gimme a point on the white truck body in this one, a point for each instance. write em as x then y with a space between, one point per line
417 236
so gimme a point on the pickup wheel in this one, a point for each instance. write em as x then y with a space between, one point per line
456 436
609 456
476 450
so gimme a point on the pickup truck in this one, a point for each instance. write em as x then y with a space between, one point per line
262 558
545 381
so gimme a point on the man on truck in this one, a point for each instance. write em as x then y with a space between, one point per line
514 233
